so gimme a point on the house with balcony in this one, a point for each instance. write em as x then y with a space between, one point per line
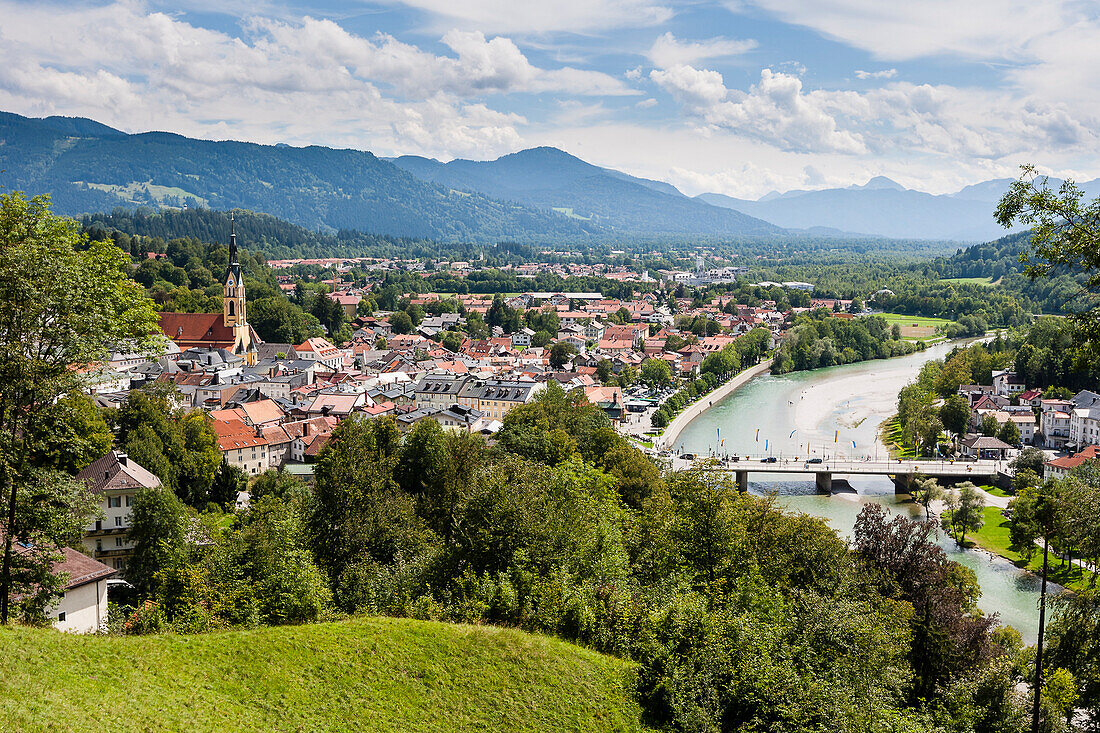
114 479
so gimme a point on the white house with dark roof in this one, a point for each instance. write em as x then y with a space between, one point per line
82 608
115 479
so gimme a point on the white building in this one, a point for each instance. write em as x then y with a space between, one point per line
1007 383
320 350
115 480
82 608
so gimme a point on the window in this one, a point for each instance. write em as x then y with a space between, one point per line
99 545
119 542
129 500
114 501
61 616
118 521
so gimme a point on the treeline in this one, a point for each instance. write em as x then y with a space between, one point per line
738 614
817 339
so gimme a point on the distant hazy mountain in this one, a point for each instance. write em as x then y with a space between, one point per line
89 167
549 178
885 208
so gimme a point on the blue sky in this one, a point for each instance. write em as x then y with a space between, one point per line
734 96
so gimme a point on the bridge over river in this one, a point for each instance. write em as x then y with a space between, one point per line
901 472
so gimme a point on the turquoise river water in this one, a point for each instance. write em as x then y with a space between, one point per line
838 411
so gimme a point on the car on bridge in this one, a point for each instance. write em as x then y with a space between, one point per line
814 460
769 459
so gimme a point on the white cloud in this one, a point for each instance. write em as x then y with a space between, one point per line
669 51
775 110
697 89
646 103
986 29
883 74
305 80
572 16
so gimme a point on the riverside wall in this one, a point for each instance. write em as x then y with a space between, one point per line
668 438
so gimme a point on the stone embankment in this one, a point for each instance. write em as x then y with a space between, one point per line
667 439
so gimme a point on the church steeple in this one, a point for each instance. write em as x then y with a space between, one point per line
232 240
233 301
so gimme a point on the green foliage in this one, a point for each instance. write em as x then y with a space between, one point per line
63 301
560 354
655 374
1065 230
159 528
177 446
818 340
965 511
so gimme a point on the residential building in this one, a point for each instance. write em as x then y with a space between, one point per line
114 479
440 391
1059 467
320 350
1007 383
82 608
495 398
242 446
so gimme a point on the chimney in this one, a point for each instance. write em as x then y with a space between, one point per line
259 431
123 459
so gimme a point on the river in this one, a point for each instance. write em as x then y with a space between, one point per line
838 411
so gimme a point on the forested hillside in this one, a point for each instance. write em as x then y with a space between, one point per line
89 168
551 178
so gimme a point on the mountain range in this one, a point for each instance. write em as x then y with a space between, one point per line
89 167
548 178
885 208
537 195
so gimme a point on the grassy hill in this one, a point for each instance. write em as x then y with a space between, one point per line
366 674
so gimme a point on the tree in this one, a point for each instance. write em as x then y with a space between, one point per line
966 511
1065 236
451 340
989 425
1023 479
1030 459
560 354
927 491
723 361
158 529
400 322
605 370
73 434
541 338
63 301
955 414
655 374
1009 432
228 482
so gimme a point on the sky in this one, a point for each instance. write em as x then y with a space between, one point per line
739 97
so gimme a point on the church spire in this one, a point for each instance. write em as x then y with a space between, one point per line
232 239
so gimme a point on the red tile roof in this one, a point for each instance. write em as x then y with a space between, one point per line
196 328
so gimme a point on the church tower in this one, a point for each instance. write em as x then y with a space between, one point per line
233 303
